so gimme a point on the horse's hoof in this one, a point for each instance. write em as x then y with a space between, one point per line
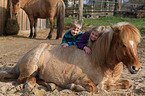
79 88
51 86
57 37
71 86
30 37
49 37
34 37
2 75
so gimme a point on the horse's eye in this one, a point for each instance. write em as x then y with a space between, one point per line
124 46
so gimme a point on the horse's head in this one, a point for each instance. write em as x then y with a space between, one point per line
127 38
16 6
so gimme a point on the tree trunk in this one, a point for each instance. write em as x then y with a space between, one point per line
115 8
81 11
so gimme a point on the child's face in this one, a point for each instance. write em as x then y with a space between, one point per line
74 31
94 35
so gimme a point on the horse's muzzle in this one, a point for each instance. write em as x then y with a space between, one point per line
133 70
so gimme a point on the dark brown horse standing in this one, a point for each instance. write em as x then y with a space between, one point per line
42 9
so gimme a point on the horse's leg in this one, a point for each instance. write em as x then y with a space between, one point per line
7 75
51 19
49 86
120 84
90 86
85 86
28 86
77 88
30 62
30 83
31 19
85 83
35 28
31 31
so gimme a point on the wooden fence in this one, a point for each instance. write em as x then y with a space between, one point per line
97 9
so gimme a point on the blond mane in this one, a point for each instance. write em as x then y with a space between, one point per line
101 46
128 32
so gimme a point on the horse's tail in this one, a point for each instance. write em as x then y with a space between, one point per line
60 18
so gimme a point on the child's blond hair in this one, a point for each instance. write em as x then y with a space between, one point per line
98 28
76 24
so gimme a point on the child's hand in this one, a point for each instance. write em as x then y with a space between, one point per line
64 45
87 50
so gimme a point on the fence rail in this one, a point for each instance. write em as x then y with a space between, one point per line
97 11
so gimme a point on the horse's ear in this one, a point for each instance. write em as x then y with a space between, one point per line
115 30
112 28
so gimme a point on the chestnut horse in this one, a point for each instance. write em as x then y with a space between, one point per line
42 9
72 68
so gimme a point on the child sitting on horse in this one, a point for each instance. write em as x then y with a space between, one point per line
73 35
93 35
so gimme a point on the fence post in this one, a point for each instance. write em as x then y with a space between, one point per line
115 8
81 11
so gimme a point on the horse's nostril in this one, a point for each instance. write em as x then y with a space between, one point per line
133 67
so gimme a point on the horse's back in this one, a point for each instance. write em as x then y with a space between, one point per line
47 8
71 54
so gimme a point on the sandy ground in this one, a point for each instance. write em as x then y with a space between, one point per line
12 47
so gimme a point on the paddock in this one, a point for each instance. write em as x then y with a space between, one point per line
12 47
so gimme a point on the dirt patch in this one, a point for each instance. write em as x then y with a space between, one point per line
12 47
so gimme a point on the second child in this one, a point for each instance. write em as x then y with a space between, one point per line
93 35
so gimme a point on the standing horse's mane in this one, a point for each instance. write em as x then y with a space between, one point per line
101 46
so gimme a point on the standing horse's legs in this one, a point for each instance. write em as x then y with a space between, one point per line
35 28
32 21
31 31
51 29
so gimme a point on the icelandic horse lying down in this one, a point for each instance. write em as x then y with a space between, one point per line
72 68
